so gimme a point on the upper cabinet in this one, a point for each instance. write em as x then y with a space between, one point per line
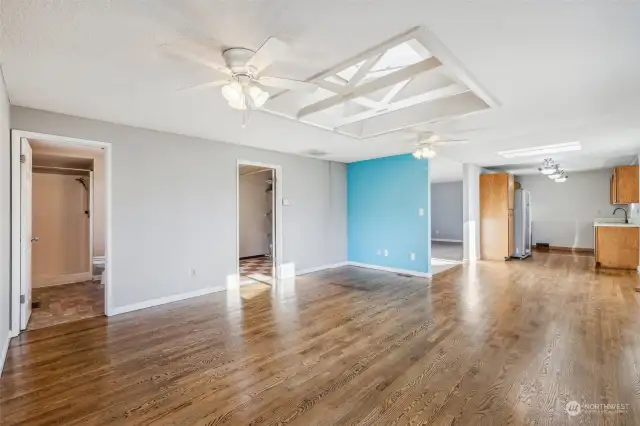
624 185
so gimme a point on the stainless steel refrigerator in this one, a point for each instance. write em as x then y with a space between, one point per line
522 225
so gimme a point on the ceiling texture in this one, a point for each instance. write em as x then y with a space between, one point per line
553 71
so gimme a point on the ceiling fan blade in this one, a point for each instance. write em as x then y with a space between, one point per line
450 142
208 85
272 50
287 83
199 55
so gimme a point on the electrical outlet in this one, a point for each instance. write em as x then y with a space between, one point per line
413 256
378 252
386 252
437 232
420 211
192 272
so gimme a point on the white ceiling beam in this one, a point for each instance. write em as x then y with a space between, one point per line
443 92
394 91
372 86
363 71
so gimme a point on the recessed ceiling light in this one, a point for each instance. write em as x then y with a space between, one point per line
541 150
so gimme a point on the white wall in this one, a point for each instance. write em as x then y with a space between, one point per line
562 214
254 204
471 211
174 206
446 211
5 214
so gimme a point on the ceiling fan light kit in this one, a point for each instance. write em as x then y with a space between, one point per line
424 152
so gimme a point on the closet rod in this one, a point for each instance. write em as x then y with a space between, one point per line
62 168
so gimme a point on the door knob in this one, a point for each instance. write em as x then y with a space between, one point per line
35 239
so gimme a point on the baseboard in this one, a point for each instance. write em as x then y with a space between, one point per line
99 260
3 352
286 270
62 279
321 268
445 240
395 270
164 300
563 249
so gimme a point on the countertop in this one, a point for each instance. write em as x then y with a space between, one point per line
621 224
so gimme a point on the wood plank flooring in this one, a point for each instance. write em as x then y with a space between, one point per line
66 303
499 343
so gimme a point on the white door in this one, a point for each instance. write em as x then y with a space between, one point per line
26 239
274 228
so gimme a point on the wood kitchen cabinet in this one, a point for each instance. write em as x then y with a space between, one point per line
617 247
497 236
625 187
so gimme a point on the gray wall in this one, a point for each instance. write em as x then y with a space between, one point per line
174 206
5 214
254 204
562 214
446 211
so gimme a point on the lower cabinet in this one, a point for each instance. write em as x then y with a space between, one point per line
617 247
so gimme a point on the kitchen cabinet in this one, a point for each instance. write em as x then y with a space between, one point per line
497 236
617 247
625 187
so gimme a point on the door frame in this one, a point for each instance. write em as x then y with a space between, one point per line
16 215
279 249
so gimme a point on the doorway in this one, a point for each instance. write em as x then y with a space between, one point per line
446 225
60 197
258 222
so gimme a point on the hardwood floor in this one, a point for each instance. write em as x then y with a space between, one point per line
66 303
498 343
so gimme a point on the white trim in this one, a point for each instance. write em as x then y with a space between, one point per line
446 240
164 300
98 260
395 270
321 268
3 353
277 263
16 135
97 278
91 199
286 270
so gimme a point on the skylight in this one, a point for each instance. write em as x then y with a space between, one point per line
541 150
396 58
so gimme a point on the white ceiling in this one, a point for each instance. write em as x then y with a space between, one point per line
561 71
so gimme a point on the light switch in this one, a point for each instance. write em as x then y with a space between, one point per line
286 202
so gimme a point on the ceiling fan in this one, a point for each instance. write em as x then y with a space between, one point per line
241 70
427 141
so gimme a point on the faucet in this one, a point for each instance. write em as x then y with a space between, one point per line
626 218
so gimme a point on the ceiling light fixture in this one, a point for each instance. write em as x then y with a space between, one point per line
548 167
238 95
541 150
556 174
561 179
424 152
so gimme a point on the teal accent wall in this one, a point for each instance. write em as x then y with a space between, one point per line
384 197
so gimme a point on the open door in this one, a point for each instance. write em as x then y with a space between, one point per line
274 198
26 239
